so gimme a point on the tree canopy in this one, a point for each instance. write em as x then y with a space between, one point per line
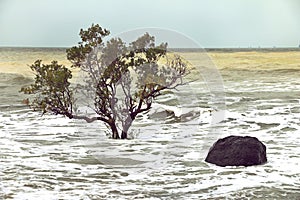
121 80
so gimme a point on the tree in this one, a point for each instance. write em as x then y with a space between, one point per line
122 80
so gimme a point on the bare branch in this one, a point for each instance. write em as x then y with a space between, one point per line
90 119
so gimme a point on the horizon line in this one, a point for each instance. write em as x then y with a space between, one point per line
250 47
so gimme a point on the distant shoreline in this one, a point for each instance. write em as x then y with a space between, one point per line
274 49
234 49
18 59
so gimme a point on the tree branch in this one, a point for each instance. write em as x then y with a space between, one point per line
90 119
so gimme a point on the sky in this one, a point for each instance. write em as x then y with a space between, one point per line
210 23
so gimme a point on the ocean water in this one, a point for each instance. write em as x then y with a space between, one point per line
52 157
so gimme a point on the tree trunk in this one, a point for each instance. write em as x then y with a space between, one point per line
115 134
126 127
124 135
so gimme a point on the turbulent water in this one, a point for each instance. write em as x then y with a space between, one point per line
52 157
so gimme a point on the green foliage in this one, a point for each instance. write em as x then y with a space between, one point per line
91 38
122 80
51 88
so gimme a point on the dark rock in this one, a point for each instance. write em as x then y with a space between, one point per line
237 151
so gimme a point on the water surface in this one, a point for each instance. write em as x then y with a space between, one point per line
52 157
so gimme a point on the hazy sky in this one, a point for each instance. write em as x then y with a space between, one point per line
212 23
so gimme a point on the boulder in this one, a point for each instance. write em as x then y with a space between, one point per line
237 151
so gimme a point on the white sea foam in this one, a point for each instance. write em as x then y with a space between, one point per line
52 157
